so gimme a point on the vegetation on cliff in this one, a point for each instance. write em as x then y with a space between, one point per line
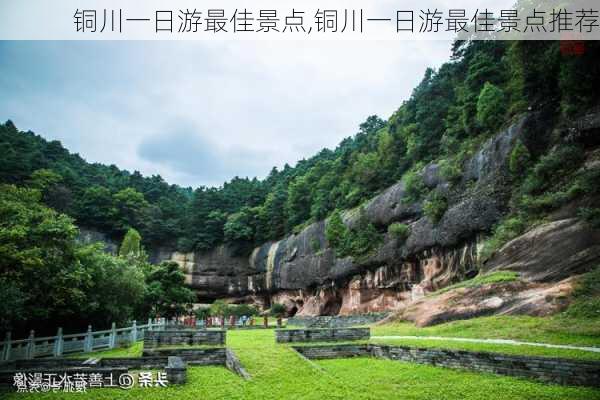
46 190
449 114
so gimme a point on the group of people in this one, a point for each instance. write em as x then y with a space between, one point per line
221 321
244 320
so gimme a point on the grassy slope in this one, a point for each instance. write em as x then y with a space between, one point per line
278 372
494 277
557 330
133 351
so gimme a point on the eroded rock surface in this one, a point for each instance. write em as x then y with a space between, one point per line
302 272
514 298
550 252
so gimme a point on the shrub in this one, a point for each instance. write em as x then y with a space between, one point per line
130 247
355 242
202 312
591 215
479 280
519 159
315 245
220 309
544 203
435 206
503 232
242 309
451 170
491 107
364 238
558 194
336 231
552 167
586 296
277 310
414 187
399 231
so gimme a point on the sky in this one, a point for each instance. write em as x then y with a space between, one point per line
200 113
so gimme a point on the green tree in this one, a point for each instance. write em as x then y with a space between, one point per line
220 309
131 245
435 206
131 208
167 294
364 237
43 179
399 231
336 231
491 107
366 171
116 288
519 158
96 208
272 216
297 206
277 310
37 257
241 226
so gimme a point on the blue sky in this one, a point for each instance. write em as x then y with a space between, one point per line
199 113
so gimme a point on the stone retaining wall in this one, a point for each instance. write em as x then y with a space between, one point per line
176 370
551 370
7 375
48 363
153 339
233 364
116 366
337 321
322 334
333 351
133 362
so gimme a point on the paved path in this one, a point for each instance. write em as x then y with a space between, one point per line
495 341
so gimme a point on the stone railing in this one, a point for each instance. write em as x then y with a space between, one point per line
321 334
86 342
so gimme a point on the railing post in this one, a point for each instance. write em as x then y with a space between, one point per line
58 343
149 324
88 343
113 336
7 346
30 352
134 332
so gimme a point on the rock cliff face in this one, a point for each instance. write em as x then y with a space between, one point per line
87 235
303 272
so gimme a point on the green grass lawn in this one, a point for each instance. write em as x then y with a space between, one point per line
133 351
279 372
556 330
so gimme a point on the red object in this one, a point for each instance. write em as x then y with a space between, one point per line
572 47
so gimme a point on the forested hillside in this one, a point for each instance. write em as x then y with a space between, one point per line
46 192
451 112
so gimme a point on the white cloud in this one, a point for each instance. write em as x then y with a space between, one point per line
255 104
